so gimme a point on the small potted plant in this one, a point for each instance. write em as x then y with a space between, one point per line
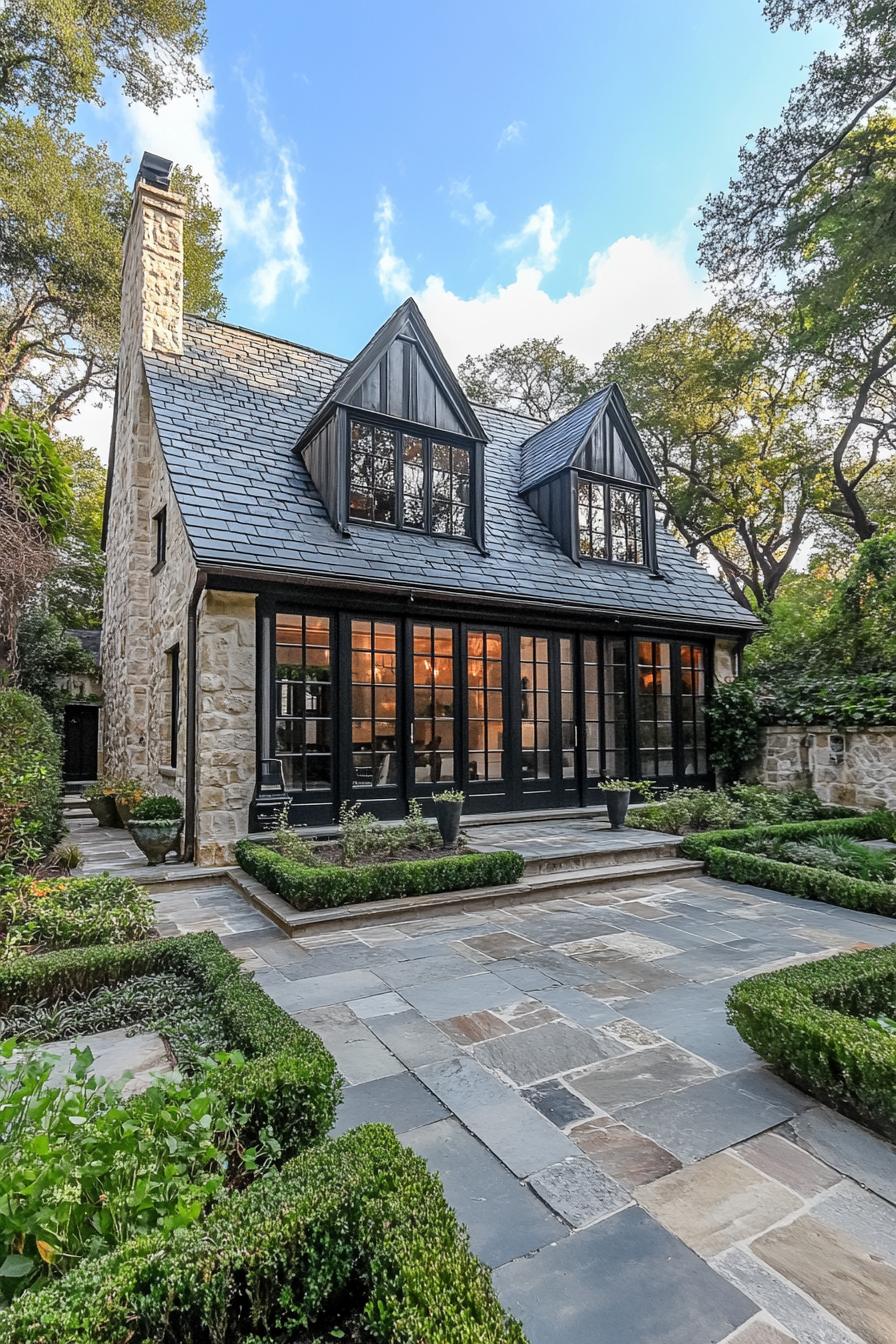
618 794
100 799
128 793
156 823
449 804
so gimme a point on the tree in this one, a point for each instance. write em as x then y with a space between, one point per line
727 413
73 592
54 56
203 249
815 203
46 654
536 377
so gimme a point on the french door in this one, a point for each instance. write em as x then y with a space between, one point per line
670 678
543 729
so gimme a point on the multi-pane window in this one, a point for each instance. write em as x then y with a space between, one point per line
485 704
374 673
611 523
605 671
655 708
409 481
567 708
535 707
302 700
433 736
693 702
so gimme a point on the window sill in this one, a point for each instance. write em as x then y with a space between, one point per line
168 771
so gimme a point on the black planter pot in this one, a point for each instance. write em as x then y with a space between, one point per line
104 809
448 820
617 801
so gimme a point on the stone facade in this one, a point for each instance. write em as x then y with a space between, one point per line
852 767
726 659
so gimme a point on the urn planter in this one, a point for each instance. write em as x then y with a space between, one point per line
155 839
104 809
448 812
617 801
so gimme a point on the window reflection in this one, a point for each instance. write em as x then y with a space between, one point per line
372 473
610 522
433 704
409 480
535 712
302 700
485 705
374 669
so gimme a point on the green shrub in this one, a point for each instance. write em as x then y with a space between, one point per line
840 854
740 805
734 724
289 1085
30 779
353 1239
810 1023
363 837
158 807
813 884
45 913
879 825
328 885
82 1171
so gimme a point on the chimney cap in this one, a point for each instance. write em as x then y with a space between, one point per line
155 170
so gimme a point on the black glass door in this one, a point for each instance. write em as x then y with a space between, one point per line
303 712
488 764
433 701
543 727
373 743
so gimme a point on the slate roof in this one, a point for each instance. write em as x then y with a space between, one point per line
229 411
551 448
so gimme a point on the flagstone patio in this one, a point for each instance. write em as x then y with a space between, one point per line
625 1164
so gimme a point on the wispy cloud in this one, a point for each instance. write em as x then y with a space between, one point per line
511 133
547 234
259 214
465 209
393 274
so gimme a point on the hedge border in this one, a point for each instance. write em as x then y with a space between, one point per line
329 886
290 1083
879 825
359 1218
806 1021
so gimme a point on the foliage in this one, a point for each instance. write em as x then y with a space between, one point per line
864 609
365 838
809 1023
729 416
129 792
106 786
327 886
740 805
158 807
734 723
81 1172
626 786
66 856
537 378
43 913
30 779
47 654
290 844
289 1085
203 249
841 855
73 592
865 826
32 463
353 1239
448 796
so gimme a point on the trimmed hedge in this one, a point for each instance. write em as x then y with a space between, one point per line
355 1228
329 885
721 852
290 1084
30 768
807 1022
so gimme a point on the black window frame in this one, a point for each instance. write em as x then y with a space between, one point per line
160 535
429 438
609 485
173 658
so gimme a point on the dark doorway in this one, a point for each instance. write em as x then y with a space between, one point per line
80 736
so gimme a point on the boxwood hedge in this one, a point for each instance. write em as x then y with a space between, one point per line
353 1239
809 1023
30 773
290 1084
329 885
725 856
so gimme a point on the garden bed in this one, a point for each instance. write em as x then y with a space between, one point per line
188 1138
743 855
816 1024
352 1240
327 885
687 810
41 914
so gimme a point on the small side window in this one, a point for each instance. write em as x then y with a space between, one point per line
160 537
173 679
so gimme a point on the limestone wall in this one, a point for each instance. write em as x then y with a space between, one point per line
725 660
852 767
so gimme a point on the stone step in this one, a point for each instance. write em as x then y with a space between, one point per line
646 850
610 874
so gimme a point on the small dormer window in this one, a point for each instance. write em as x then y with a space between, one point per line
412 481
611 521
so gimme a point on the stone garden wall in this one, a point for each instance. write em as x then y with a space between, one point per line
852 767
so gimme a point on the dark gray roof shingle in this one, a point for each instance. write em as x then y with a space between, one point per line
551 449
229 411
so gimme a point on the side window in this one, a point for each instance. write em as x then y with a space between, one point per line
160 538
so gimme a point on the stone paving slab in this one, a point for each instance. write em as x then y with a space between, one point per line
641 1076
806 1320
848 1148
411 1038
624 1281
557 1103
542 1052
466 994
360 1057
400 1101
115 1054
704 1118
622 1153
579 1191
775 1156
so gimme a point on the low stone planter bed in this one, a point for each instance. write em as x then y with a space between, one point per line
39 914
731 855
815 1025
352 1240
330 885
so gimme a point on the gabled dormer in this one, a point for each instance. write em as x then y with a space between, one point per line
589 479
395 443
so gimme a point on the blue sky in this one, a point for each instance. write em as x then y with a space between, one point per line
522 170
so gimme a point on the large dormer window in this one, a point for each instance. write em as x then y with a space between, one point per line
611 521
414 481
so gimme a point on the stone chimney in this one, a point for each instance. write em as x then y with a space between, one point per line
152 279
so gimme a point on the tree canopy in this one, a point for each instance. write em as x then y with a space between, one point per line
536 377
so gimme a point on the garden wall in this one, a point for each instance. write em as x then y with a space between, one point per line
850 767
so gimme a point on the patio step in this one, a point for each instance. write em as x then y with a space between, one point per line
603 856
573 881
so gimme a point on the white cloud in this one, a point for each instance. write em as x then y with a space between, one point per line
511 133
465 209
482 215
262 211
92 422
633 281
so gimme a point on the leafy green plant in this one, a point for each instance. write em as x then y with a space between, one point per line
740 805
329 885
351 1240
158 807
30 779
106 786
129 792
81 1172
734 724
72 912
446 796
66 856
811 1023
291 844
841 854
365 838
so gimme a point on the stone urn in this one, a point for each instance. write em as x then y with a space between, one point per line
617 801
155 839
104 809
448 809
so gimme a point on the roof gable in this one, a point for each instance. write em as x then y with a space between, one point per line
401 372
598 435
